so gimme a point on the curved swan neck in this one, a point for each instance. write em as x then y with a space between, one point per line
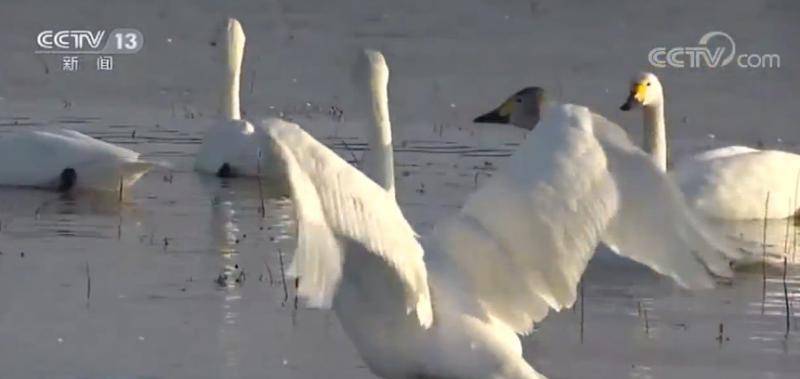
655 136
234 52
379 159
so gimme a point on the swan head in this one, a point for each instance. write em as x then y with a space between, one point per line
645 92
521 109
371 76
233 44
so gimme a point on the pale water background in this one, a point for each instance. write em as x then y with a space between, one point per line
185 273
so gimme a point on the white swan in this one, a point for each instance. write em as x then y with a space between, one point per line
454 308
66 160
230 146
726 183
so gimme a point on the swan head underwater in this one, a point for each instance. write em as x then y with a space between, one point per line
521 109
646 92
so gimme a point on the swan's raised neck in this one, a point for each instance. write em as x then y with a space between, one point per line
646 92
378 161
655 135
233 50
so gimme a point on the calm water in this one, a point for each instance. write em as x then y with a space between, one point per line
184 280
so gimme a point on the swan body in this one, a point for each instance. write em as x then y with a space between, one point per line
725 183
230 149
230 146
66 160
733 182
452 304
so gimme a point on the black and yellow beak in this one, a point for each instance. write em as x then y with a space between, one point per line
500 115
635 98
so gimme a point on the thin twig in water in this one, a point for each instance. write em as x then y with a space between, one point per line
296 285
261 209
283 278
646 322
120 189
786 298
269 272
764 256
88 284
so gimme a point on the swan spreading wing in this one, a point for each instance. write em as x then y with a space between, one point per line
524 239
337 204
654 225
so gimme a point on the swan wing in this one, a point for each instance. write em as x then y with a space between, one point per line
337 204
523 240
654 226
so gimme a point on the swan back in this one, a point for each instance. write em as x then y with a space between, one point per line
733 182
233 50
378 161
37 159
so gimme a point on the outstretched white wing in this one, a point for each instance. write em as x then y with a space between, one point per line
654 225
337 204
525 238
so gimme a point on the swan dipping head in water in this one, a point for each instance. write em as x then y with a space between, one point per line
230 146
522 109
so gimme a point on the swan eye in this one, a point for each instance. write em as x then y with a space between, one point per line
648 84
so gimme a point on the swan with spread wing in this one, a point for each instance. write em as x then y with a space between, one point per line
452 304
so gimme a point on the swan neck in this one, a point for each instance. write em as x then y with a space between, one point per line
234 53
655 137
381 155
